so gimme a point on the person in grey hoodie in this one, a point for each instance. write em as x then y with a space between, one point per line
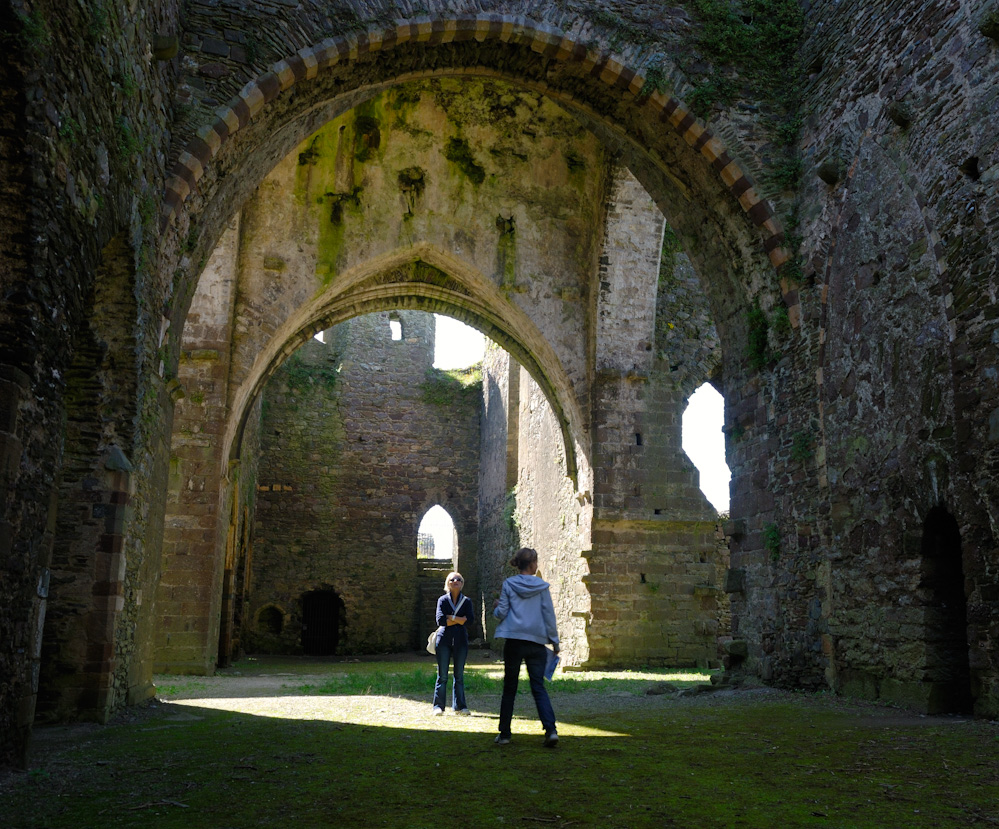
527 623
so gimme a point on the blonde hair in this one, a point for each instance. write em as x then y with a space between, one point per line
447 578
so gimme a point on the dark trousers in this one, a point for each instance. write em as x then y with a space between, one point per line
535 656
444 654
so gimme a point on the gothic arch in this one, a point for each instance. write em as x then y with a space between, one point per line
440 499
705 193
392 282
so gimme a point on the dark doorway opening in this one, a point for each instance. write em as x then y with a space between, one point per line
323 615
946 626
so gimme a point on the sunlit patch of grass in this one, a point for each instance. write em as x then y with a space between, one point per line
391 683
488 679
378 711
179 686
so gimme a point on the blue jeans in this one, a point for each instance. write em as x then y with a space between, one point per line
535 655
444 653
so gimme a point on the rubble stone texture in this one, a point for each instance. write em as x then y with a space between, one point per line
358 442
848 316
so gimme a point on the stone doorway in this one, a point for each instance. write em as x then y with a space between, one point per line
323 613
946 615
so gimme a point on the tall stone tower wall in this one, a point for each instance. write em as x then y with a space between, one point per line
359 438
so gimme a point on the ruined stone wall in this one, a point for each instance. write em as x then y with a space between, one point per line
499 536
898 306
654 557
359 438
686 341
86 127
551 516
636 562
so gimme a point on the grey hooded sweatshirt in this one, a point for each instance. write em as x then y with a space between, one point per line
525 610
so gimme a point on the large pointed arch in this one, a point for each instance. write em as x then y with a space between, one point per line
707 194
394 281
547 41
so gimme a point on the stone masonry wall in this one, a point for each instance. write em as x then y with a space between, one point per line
654 556
551 516
499 536
903 244
85 128
898 307
358 441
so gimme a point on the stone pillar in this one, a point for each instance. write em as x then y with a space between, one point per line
189 593
653 570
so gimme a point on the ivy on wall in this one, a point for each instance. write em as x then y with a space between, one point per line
447 388
754 48
302 375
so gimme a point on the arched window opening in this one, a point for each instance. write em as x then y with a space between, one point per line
945 604
395 326
704 443
270 619
323 616
437 537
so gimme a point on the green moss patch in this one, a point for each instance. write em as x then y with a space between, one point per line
459 153
452 387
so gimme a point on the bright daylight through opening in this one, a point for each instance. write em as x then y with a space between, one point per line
704 443
437 525
456 344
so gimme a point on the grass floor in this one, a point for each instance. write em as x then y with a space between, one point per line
302 744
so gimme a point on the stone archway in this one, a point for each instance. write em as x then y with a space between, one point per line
702 191
403 282
706 194
203 478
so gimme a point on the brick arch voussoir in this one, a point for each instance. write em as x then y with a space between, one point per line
550 43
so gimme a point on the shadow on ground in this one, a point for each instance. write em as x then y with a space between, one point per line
755 758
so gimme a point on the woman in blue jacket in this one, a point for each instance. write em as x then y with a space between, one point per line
527 622
454 617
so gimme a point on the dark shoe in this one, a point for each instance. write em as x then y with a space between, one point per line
502 740
551 739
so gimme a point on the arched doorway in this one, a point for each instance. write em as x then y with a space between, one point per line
323 619
437 538
942 590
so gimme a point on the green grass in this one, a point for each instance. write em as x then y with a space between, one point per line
488 679
181 687
750 759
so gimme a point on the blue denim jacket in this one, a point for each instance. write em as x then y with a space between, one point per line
455 634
